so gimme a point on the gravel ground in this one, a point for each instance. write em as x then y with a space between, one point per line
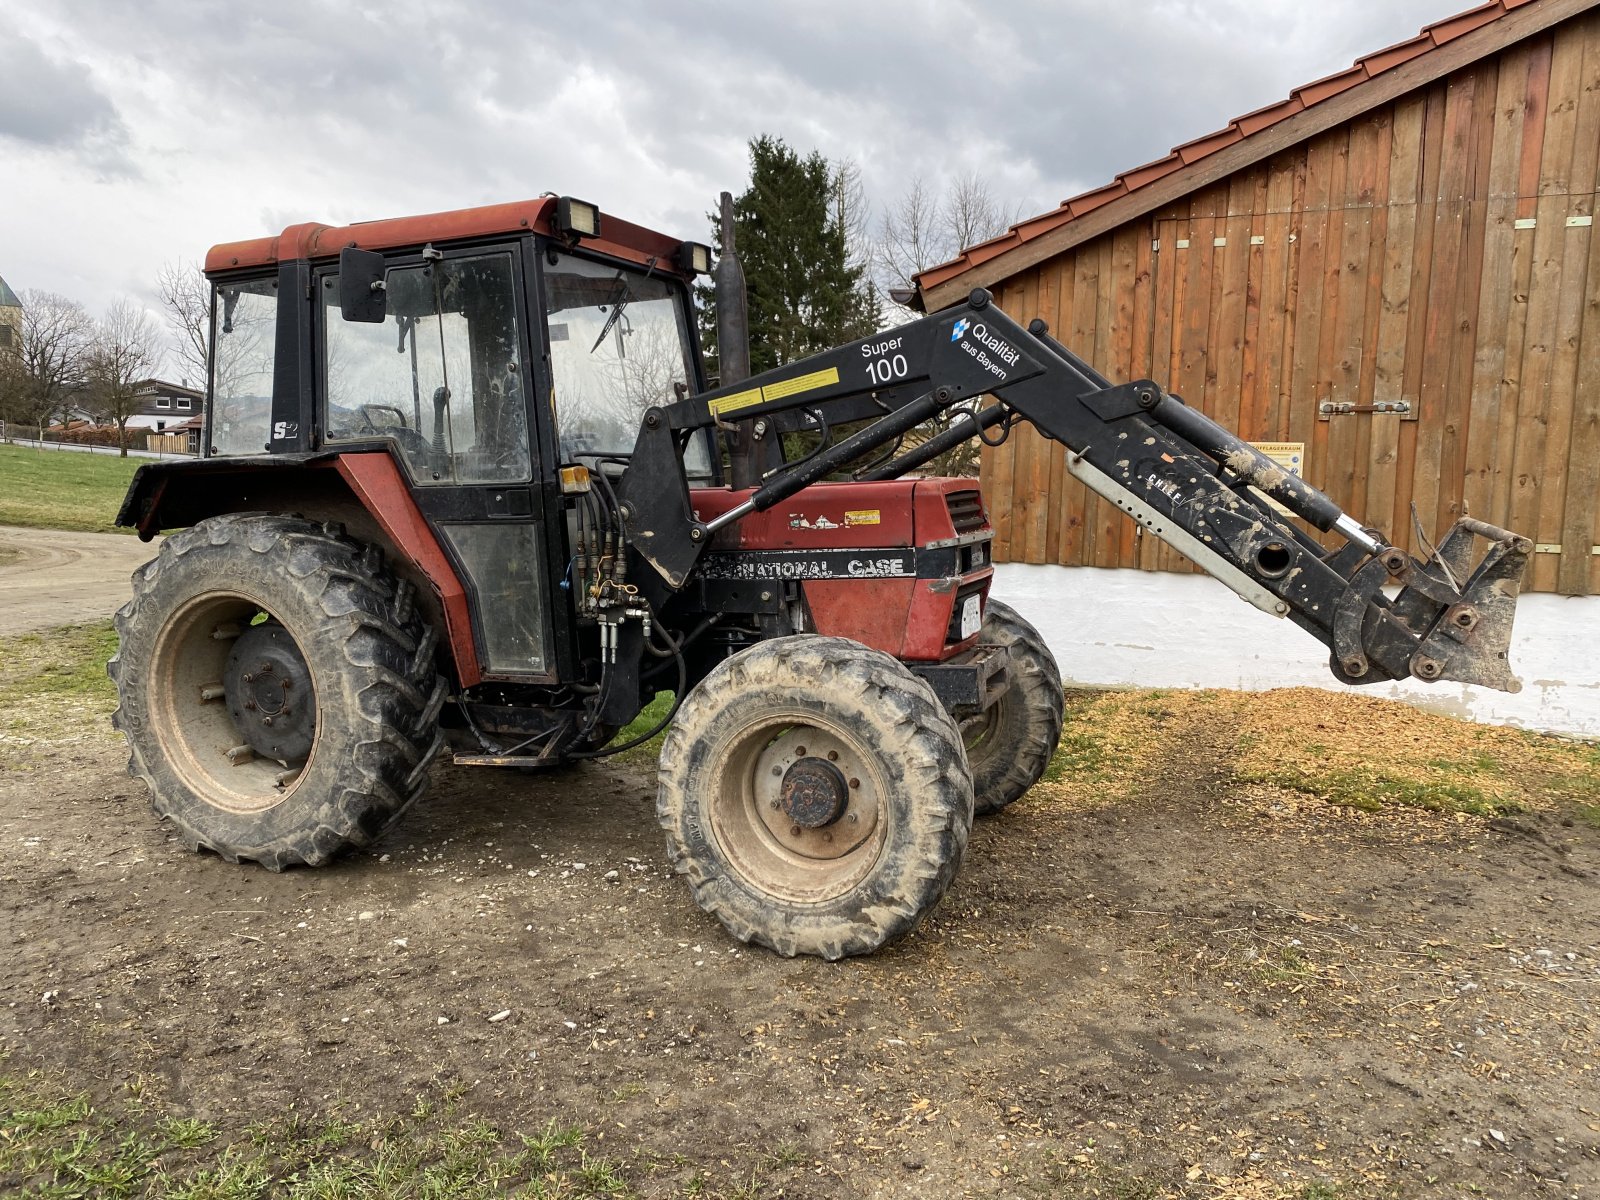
1175 979
50 577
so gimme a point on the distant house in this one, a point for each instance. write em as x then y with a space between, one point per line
162 405
162 408
10 319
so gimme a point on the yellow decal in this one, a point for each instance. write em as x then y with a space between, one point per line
776 391
800 383
737 400
863 516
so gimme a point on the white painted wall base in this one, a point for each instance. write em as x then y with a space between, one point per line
1111 628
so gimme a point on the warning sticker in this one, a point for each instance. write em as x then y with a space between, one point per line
863 516
1291 456
775 391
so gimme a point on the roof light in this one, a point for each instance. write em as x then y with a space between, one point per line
577 218
694 259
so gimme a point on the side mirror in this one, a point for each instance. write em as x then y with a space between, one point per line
362 295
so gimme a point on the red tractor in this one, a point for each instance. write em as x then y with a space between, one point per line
465 485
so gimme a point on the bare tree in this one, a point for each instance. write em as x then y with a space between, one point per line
920 230
971 214
925 228
186 300
123 356
909 235
852 213
50 356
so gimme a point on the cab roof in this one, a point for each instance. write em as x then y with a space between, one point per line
312 240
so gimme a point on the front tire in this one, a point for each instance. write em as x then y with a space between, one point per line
277 689
1011 745
816 796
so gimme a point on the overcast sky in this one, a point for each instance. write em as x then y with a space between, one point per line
132 134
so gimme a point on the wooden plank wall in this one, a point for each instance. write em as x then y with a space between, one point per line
1434 250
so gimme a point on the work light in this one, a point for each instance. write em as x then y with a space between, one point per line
577 218
694 259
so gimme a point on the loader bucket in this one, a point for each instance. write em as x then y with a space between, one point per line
1451 620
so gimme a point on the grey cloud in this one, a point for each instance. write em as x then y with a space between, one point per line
345 112
57 105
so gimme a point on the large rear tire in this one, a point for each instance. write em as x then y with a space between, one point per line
277 688
816 796
1011 745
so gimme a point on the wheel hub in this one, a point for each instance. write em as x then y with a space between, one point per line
268 689
814 793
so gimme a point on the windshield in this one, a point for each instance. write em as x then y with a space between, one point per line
619 343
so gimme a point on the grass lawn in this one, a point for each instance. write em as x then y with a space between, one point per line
63 489
65 1144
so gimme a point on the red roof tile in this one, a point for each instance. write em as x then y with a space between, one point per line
1239 129
1393 56
1453 27
1330 85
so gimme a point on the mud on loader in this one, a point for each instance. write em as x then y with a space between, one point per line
465 485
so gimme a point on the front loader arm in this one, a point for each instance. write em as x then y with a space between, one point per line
1178 473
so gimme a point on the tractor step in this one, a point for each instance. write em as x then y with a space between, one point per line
503 760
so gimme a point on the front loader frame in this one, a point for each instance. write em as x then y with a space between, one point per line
1168 466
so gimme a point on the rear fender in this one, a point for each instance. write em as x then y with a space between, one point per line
364 492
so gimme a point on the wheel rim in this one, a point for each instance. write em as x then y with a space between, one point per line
800 807
213 718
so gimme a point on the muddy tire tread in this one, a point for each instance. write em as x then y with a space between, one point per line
388 665
1030 727
920 743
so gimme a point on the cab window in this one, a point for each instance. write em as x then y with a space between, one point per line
244 324
442 377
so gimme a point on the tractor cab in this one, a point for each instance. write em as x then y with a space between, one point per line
481 352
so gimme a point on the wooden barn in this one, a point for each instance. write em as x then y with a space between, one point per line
1393 272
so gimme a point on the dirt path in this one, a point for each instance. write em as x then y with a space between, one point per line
49 577
1207 990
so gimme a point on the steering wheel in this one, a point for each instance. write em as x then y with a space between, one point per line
368 425
416 447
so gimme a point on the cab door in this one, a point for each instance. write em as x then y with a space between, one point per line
444 382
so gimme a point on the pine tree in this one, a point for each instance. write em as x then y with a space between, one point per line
806 290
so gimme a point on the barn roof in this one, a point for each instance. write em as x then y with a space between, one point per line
1374 80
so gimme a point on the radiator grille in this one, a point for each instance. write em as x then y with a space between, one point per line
966 511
